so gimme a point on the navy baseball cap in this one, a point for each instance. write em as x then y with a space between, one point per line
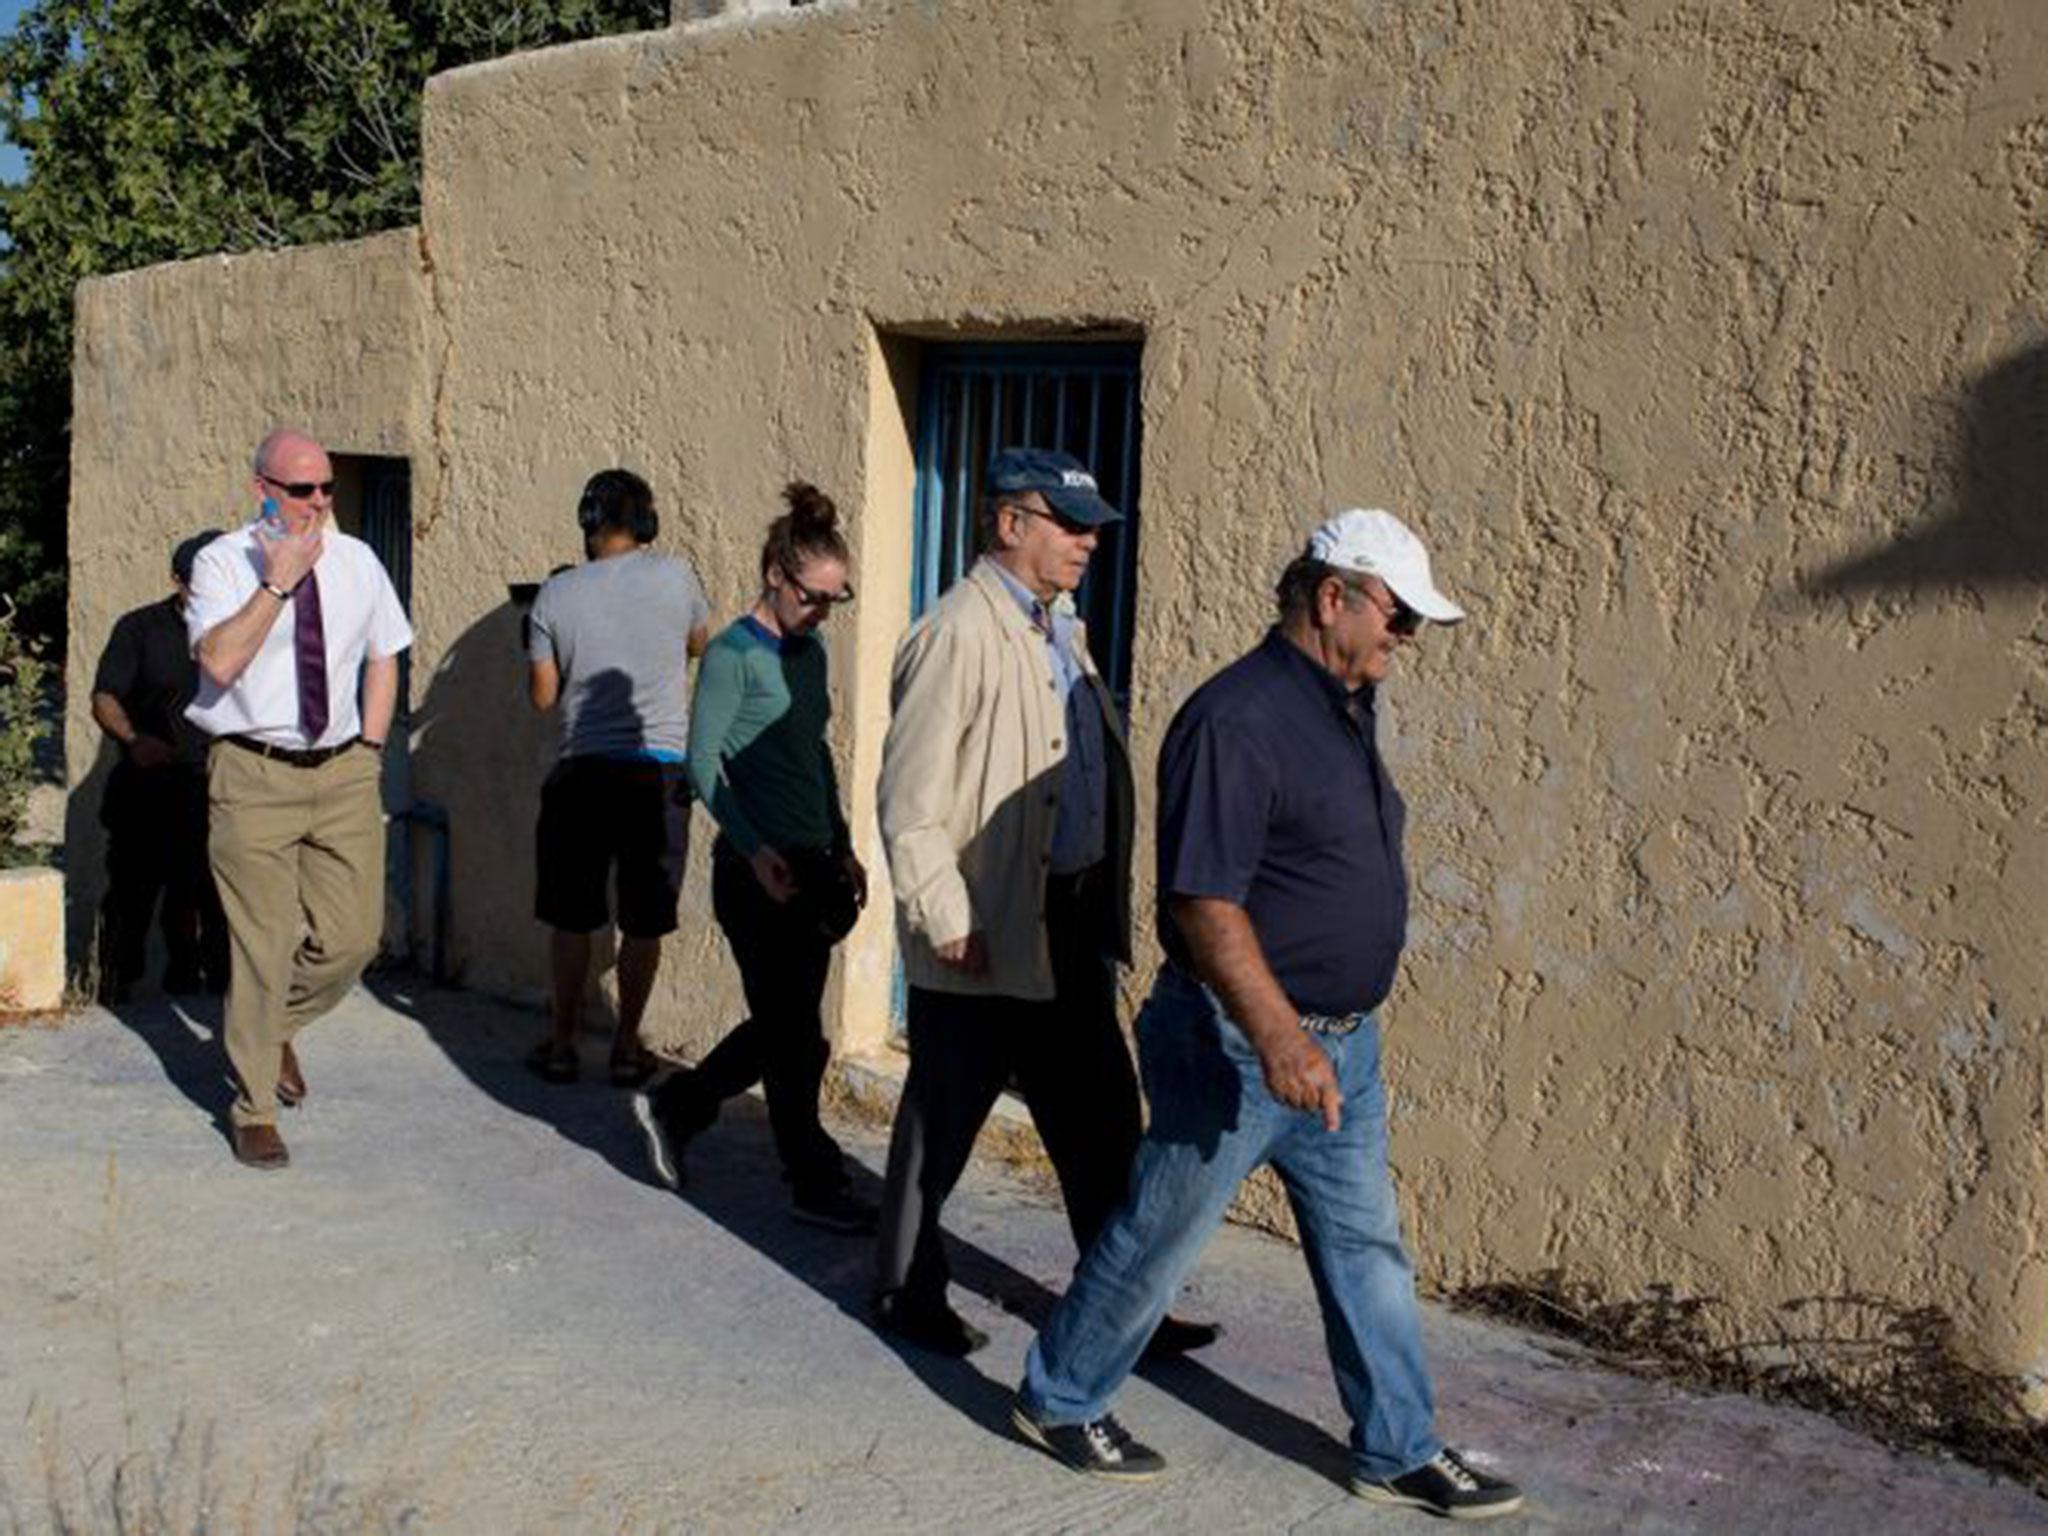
1059 477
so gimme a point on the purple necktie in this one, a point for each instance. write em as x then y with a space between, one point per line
309 642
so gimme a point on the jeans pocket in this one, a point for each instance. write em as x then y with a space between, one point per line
1193 1087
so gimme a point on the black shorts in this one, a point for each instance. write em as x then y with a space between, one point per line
597 812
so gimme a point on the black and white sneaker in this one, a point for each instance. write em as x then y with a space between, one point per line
835 1210
1446 1485
670 1118
1101 1447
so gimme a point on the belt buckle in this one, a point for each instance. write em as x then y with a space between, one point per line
1331 1023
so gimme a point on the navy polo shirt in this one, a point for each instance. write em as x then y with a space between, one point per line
1272 796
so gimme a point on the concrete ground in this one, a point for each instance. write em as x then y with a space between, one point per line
468 1307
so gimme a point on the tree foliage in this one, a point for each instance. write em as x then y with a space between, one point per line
159 129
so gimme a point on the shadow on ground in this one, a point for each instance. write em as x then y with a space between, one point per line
184 1033
487 1043
734 1178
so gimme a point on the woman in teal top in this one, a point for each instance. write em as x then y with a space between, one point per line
785 884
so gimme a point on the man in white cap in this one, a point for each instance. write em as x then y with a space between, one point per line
1283 904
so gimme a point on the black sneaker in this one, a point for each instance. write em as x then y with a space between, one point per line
1101 1447
929 1325
670 1117
835 1210
1446 1485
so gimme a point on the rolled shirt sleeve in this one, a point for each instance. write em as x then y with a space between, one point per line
390 630
223 576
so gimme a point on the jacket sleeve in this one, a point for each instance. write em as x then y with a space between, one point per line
928 693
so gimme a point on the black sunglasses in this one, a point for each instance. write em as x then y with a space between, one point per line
1401 619
1067 525
299 490
811 599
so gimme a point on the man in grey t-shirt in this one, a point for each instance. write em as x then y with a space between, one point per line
610 641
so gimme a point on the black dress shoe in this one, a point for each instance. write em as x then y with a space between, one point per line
929 1325
1176 1336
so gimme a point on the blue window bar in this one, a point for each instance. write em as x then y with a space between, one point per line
1079 397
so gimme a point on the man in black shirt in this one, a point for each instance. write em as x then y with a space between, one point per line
154 809
1283 905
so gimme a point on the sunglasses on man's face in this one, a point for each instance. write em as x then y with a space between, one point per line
1059 520
1401 619
300 490
814 599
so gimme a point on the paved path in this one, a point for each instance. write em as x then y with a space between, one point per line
467 1307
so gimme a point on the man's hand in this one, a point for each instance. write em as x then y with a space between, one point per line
774 874
149 751
1227 956
1300 1076
286 560
969 956
857 873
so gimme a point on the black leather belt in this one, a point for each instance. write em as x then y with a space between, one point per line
1332 1023
309 757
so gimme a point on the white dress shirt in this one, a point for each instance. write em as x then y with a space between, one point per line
359 616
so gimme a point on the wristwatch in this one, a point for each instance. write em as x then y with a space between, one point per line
374 746
277 592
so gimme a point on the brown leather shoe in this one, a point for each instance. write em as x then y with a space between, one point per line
259 1146
291 1083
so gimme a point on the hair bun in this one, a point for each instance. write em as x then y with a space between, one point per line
811 511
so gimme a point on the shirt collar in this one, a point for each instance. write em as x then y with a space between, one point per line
763 633
1026 600
1312 674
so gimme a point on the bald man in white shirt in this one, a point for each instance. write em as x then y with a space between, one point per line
287 615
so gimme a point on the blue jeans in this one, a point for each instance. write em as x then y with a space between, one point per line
1213 1122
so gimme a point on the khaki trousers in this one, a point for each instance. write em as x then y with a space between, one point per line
298 854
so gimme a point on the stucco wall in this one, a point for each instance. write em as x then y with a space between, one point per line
1726 968
1706 345
178 371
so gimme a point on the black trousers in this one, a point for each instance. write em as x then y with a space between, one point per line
1066 1057
156 852
783 963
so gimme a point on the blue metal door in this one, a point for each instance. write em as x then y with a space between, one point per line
976 399
1082 398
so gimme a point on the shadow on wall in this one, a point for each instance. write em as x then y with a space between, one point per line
481 750
84 861
1996 532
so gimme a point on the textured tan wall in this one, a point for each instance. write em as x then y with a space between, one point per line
178 371
1705 343
1727 970
31 940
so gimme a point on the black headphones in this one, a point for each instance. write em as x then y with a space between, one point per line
610 489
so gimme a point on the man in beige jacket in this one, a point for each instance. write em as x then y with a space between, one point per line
1006 814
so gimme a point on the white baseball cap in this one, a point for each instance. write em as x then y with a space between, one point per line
1375 543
